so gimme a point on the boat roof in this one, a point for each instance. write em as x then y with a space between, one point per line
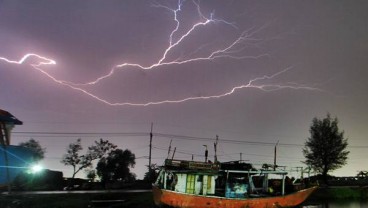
277 172
185 165
237 165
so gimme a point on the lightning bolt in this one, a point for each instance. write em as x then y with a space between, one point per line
46 61
232 50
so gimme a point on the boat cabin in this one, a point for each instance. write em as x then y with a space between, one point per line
224 180
188 177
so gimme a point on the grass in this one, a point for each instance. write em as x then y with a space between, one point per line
345 193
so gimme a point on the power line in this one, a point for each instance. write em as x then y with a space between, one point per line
80 133
161 135
231 141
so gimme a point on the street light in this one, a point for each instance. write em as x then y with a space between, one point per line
36 168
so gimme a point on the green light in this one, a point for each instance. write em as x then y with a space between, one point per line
36 168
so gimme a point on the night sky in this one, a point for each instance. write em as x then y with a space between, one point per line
306 59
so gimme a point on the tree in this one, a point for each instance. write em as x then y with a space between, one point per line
35 147
115 167
362 174
325 149
80 162
151 174
91 175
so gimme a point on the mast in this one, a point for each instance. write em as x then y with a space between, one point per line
168 152
172 157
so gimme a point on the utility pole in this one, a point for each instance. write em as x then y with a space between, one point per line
274 159
215 146
150 152
205 153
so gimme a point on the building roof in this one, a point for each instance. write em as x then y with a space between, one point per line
7 117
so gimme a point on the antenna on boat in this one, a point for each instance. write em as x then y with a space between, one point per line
173 154
215 146
168 152
274 158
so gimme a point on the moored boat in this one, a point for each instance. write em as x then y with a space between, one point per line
191 184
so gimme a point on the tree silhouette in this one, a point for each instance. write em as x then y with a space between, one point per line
115 167
80 162
35 147
151 174
325 149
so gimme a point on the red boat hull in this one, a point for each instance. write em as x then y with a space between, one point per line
182 200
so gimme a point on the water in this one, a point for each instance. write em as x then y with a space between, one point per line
338 204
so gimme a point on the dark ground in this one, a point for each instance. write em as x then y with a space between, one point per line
86 200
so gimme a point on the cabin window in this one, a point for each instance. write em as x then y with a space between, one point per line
190 184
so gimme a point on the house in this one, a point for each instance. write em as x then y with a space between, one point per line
13 159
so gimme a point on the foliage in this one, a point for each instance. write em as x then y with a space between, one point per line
115 167
325 149
362 174
91 175
80 162
39 152
151 174
100 148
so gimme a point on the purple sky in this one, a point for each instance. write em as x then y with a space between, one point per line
323 44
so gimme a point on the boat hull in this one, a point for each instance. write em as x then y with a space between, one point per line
182 200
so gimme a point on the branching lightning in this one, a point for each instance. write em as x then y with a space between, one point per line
232 50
